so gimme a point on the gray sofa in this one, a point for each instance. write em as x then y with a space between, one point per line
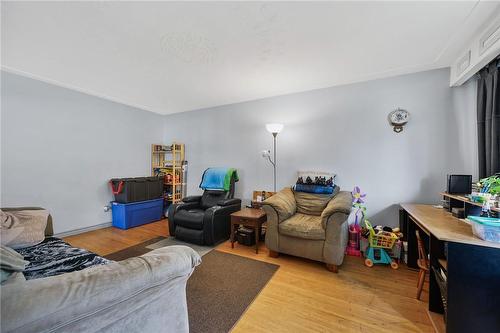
312 226
142 294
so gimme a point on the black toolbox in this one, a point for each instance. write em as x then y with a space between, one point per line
245 236
127 190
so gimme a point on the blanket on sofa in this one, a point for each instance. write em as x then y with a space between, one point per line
53 256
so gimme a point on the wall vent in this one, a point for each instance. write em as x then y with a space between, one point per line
489 38
463 63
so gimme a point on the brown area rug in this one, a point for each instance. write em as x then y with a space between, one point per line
133 251
220 289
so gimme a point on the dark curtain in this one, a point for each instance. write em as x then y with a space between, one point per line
488 119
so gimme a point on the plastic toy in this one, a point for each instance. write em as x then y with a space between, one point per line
377 243
355 229
357 196
491 184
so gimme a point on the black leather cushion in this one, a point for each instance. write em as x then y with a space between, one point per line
210 198
190 218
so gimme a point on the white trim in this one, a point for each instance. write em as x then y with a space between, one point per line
82 230
78 89
480 54
489 38
463 63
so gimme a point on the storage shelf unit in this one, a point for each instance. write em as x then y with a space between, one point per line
465 270
168 162
470 207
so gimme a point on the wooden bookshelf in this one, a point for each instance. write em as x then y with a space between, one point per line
168 161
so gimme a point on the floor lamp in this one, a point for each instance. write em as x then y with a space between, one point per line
274 129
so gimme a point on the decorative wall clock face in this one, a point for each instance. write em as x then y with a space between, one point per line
398 118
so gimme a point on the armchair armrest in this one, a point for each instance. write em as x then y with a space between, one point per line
69 302
216 221
49 229
192 198
341 203
193 202
227 202
283 203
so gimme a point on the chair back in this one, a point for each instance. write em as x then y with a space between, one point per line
211 197
421 249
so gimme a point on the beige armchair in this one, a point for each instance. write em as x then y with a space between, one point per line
307 225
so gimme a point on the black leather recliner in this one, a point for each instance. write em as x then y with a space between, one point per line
203 219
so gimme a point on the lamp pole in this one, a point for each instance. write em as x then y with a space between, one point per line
274 163
274 129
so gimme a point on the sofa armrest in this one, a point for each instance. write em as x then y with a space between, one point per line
49 229
192 198
227 202
283 203
341 203
99 296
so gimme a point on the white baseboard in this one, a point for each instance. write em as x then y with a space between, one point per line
82 230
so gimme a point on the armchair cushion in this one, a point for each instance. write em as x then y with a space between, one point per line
211 198
283 203
312 203
341 203
190 218
303 226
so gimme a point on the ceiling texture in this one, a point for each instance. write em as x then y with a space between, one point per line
170 57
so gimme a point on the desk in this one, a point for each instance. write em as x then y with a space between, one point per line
471 267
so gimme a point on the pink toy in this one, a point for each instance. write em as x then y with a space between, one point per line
355 229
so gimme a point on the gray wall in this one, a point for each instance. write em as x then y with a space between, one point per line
341 129
60 147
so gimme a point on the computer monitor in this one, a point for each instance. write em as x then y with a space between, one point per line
459 184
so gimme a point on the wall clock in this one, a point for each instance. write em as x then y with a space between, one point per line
398 118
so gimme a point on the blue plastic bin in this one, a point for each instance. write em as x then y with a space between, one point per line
136 213
486 228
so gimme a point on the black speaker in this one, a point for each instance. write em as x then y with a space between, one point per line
459 184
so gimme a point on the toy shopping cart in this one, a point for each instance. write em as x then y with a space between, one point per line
376 253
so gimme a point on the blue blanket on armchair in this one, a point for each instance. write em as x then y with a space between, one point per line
218 178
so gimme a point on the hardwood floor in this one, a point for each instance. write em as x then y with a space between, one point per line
108 240
303 296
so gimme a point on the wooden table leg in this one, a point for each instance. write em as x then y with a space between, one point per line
257 238
232 235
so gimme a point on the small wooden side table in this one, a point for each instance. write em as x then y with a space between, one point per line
249 217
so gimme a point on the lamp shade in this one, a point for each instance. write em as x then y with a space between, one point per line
274 128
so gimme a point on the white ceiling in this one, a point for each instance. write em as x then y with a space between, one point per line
170 57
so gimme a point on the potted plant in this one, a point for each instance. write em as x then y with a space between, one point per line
491 185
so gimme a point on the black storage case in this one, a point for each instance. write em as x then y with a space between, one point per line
245 236
154 187
127 190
